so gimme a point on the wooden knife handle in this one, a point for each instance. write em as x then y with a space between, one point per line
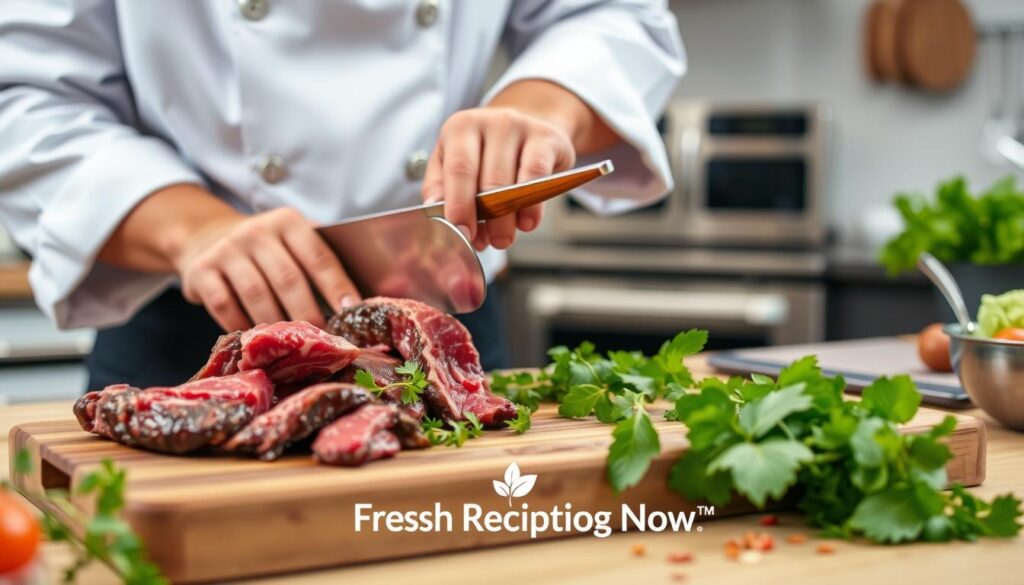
506 200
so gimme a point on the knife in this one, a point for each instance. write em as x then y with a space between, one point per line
416 253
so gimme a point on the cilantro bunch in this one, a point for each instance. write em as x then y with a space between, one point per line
842 462
616 388
957 227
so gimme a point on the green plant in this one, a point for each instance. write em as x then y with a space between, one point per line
957 227
107 537
844 463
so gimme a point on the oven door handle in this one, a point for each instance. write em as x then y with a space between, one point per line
755 309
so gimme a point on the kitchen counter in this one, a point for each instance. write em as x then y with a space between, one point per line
610 560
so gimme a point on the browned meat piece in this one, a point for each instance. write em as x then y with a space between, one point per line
198 414
296 417
439 343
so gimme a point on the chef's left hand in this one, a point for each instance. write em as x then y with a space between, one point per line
531 129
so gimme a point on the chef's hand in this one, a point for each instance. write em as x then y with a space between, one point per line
531 129
243 269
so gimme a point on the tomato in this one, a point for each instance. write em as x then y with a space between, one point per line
933 347
1010 333
19 534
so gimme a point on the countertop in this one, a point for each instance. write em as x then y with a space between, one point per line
591 560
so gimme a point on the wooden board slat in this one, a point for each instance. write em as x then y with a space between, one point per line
210 518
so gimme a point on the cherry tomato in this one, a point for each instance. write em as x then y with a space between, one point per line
933 347
1010 333
19 534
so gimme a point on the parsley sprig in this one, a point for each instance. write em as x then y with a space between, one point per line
616 387
412 386
107 537
522 422
454 434
845 462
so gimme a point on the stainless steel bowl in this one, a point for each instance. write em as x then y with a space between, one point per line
992 373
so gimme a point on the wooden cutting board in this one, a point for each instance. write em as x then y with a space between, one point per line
215 518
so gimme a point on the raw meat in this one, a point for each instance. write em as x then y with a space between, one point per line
382 367
296 417
439 343
176 420
367 434
293 353
409 431
224 357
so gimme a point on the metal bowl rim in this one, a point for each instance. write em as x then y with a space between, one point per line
953 330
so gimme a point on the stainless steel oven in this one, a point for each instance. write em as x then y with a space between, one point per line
744 174
619 298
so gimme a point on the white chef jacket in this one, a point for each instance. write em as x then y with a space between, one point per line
313 104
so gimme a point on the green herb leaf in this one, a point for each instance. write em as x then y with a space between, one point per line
580 401
760 470
410 388
521 423
366 380
1002 518
634 444
690 477
761 416
890 516
894 399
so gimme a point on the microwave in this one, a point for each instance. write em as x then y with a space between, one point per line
745 175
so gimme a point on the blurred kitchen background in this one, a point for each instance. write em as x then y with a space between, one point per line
797 122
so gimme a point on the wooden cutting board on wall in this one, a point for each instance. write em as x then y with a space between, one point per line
215 518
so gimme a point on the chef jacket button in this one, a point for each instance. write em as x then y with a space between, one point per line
272 168
426 12
254 9
416 166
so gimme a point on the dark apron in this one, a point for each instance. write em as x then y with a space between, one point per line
169 339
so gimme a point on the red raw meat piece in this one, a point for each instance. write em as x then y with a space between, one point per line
224 357
439 343
251 387
373 432
293 352
296 417
180 419
382 367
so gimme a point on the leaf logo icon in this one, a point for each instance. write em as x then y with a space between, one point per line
515 485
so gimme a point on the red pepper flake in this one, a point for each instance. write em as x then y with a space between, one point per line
826 548
638 549
679 577
767 543
797 538
732 549
680 557
769 520
750 540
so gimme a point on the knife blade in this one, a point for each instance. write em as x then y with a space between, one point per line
416 253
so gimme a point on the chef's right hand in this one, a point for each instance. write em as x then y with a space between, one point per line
258 269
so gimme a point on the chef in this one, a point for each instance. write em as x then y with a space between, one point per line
165 163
